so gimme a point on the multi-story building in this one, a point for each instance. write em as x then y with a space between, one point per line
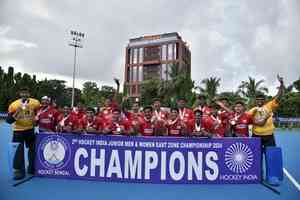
151 57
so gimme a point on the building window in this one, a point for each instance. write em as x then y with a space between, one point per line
164 52
135 56
130 56
134 73
128 74
151 53
151 72
140 73
170 51
164 72
141 55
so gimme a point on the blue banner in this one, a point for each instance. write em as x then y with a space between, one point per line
149 159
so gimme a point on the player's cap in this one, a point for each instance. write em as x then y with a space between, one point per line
46 98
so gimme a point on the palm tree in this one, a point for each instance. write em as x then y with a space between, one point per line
249 89
210 88
179 85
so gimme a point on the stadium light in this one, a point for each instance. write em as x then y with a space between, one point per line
76 42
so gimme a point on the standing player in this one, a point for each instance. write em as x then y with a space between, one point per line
117 125
134 116
135 113
106 111
185 114
79 111
158 112
240 120
46 116
176 127
67 123
91 123
149 125
263 126
200 104
195 126
22 113
223 116
262 113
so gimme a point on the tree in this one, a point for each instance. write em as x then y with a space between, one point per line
289 105
179 85
210 88
296 84
249 89
149 91
56 89
90 94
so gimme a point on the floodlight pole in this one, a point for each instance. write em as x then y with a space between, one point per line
76 43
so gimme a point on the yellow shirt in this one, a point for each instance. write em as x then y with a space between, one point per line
25 118
261 112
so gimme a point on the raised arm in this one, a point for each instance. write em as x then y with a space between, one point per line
280 89
117 81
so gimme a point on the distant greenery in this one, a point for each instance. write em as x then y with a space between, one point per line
179 85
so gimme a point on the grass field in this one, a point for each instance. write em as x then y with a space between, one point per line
50 189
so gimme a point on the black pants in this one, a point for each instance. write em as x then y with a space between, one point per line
27 137
266 140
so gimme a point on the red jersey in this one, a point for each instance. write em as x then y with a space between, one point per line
194 128
206 110
148 127
176 128
67 123
79 114
134 116
223 122
161 115
240 124
209 124
186 114
224 116
47 118
95 123
218 127
122 127
106 113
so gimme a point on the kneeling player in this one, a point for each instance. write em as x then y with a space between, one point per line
117 125
91 123
176 126
67 123
150 125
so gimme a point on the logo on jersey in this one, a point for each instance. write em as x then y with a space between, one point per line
54 152
238 158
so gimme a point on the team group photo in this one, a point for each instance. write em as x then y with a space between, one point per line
176 99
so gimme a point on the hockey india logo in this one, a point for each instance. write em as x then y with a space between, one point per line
54 152
238 157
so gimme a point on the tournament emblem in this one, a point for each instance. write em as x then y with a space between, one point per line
54 152
238 158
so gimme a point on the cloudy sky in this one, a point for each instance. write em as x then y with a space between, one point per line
229 39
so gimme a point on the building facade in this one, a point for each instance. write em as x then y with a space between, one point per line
151 57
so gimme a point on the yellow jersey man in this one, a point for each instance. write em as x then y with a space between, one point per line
262 114
21 113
